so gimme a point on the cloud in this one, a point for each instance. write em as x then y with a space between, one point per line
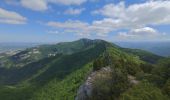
10 17
53 32
85 29
12 2
145 33
67 2
112 10
72 11
37 5
81 28
94 0
70 26
42 5
137 15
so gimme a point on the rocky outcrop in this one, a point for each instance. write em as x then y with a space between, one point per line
132 80
85 90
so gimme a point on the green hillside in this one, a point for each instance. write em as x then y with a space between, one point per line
34 54
28 78
143 55
58 71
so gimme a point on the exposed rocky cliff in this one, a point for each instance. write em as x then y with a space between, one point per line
85 90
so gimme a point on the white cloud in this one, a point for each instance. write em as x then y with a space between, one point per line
94 0
10 17
42 5
12 2
81 28
134 17
85 29
70 26
37 5
67 2
145 33
137 15
53 32
112 10
72 11
101 29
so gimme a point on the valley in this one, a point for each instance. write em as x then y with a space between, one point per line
83 70
84 49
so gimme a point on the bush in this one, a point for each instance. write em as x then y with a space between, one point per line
144 91
146 67
166 88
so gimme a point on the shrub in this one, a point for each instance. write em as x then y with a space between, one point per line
144 91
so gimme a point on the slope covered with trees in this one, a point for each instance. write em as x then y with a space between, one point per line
60 71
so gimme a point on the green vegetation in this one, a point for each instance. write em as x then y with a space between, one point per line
65 89
55 72
118 59
109 85
166 87
144 91
34 54
16 92
143 55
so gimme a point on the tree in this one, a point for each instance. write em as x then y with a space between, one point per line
166 88
144 91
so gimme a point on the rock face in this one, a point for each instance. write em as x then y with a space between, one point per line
85 90
133 80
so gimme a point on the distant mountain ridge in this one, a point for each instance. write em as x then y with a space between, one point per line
32 59
55 72
5 47
36 53
158 48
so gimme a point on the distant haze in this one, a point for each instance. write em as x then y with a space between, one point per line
16 46
159 48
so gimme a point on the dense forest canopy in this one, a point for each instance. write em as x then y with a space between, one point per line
113 72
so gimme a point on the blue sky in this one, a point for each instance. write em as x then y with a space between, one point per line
67 20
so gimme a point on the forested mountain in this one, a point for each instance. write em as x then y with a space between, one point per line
84 70
19 59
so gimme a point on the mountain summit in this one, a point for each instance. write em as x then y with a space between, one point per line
83 70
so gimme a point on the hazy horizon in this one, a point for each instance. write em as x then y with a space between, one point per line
53 42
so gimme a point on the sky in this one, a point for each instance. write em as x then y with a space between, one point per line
51 21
